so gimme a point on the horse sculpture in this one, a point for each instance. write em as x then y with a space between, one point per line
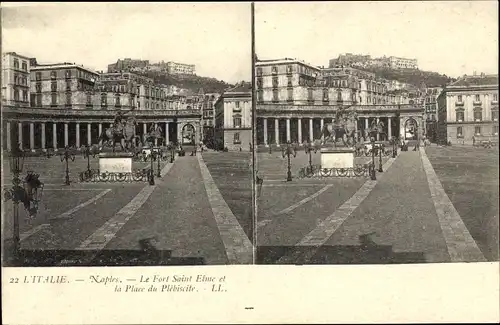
123 133
343 127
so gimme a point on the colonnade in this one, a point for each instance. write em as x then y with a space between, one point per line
313 129
78 141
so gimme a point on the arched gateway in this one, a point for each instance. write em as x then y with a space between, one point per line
411 129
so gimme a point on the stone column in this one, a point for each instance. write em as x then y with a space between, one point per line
100 129
299 130
378 135
89 134
66 142
389 127
54 135
43 135
167 135
144 128
322 124
78 135
265 132
32 136
20 134
288 129
311 134
277 132
156 140
9 143
366 123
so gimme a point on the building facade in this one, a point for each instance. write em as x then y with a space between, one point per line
127 64
15 80
295 100
468 109
402 63
180 68
233 118
71 106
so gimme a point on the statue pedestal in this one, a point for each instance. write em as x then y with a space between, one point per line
118 162
337 158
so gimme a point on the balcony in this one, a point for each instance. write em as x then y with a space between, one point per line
459 103
477 103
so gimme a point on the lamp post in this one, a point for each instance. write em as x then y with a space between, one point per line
16 167
394 147
373 176
171 148
67 155
380 151
309 148
288 151
156 155
269 142
151 170
87 152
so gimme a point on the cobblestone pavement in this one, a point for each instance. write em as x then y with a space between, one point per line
170 223
402 217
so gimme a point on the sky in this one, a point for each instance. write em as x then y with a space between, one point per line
451 37
213 36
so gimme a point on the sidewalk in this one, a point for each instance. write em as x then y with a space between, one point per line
397 220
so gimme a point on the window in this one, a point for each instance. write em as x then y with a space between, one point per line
16 63
477 130
459 98
89 99
459 132
147 105
495 129
260 95
495 97
15 79
38 76
275 82
53 99
68 85
494 115
460 116
53 86
104 100
237 121
39 100
16 95
325 94
289 83
477 98
339 96
38 87
25 96
275 95
289 69
53 74
68 99
236 138
259 71
310 94
274 70
67 74
478 115
138 104
290 94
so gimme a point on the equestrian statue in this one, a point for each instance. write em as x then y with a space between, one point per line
343 127
122 131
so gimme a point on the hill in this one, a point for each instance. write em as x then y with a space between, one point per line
410 76
190 82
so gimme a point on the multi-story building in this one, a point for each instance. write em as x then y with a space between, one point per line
467 109
430 112
15 80
348 59
62 86
299 98
180 68
208 117
233 118
72 105
402 63
127 64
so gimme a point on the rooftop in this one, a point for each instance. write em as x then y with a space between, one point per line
476 80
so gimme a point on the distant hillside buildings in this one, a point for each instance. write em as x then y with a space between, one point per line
172 68
349 59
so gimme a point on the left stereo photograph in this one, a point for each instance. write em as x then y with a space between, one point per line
127 134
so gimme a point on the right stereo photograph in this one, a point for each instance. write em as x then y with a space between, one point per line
376 129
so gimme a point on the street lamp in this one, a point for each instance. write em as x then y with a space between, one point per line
171 148
289 151
157 155
67 155
151 171
373 176
394 147
381 147
308 149
87 152
269 142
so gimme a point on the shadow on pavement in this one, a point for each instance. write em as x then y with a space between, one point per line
147 255
368 252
